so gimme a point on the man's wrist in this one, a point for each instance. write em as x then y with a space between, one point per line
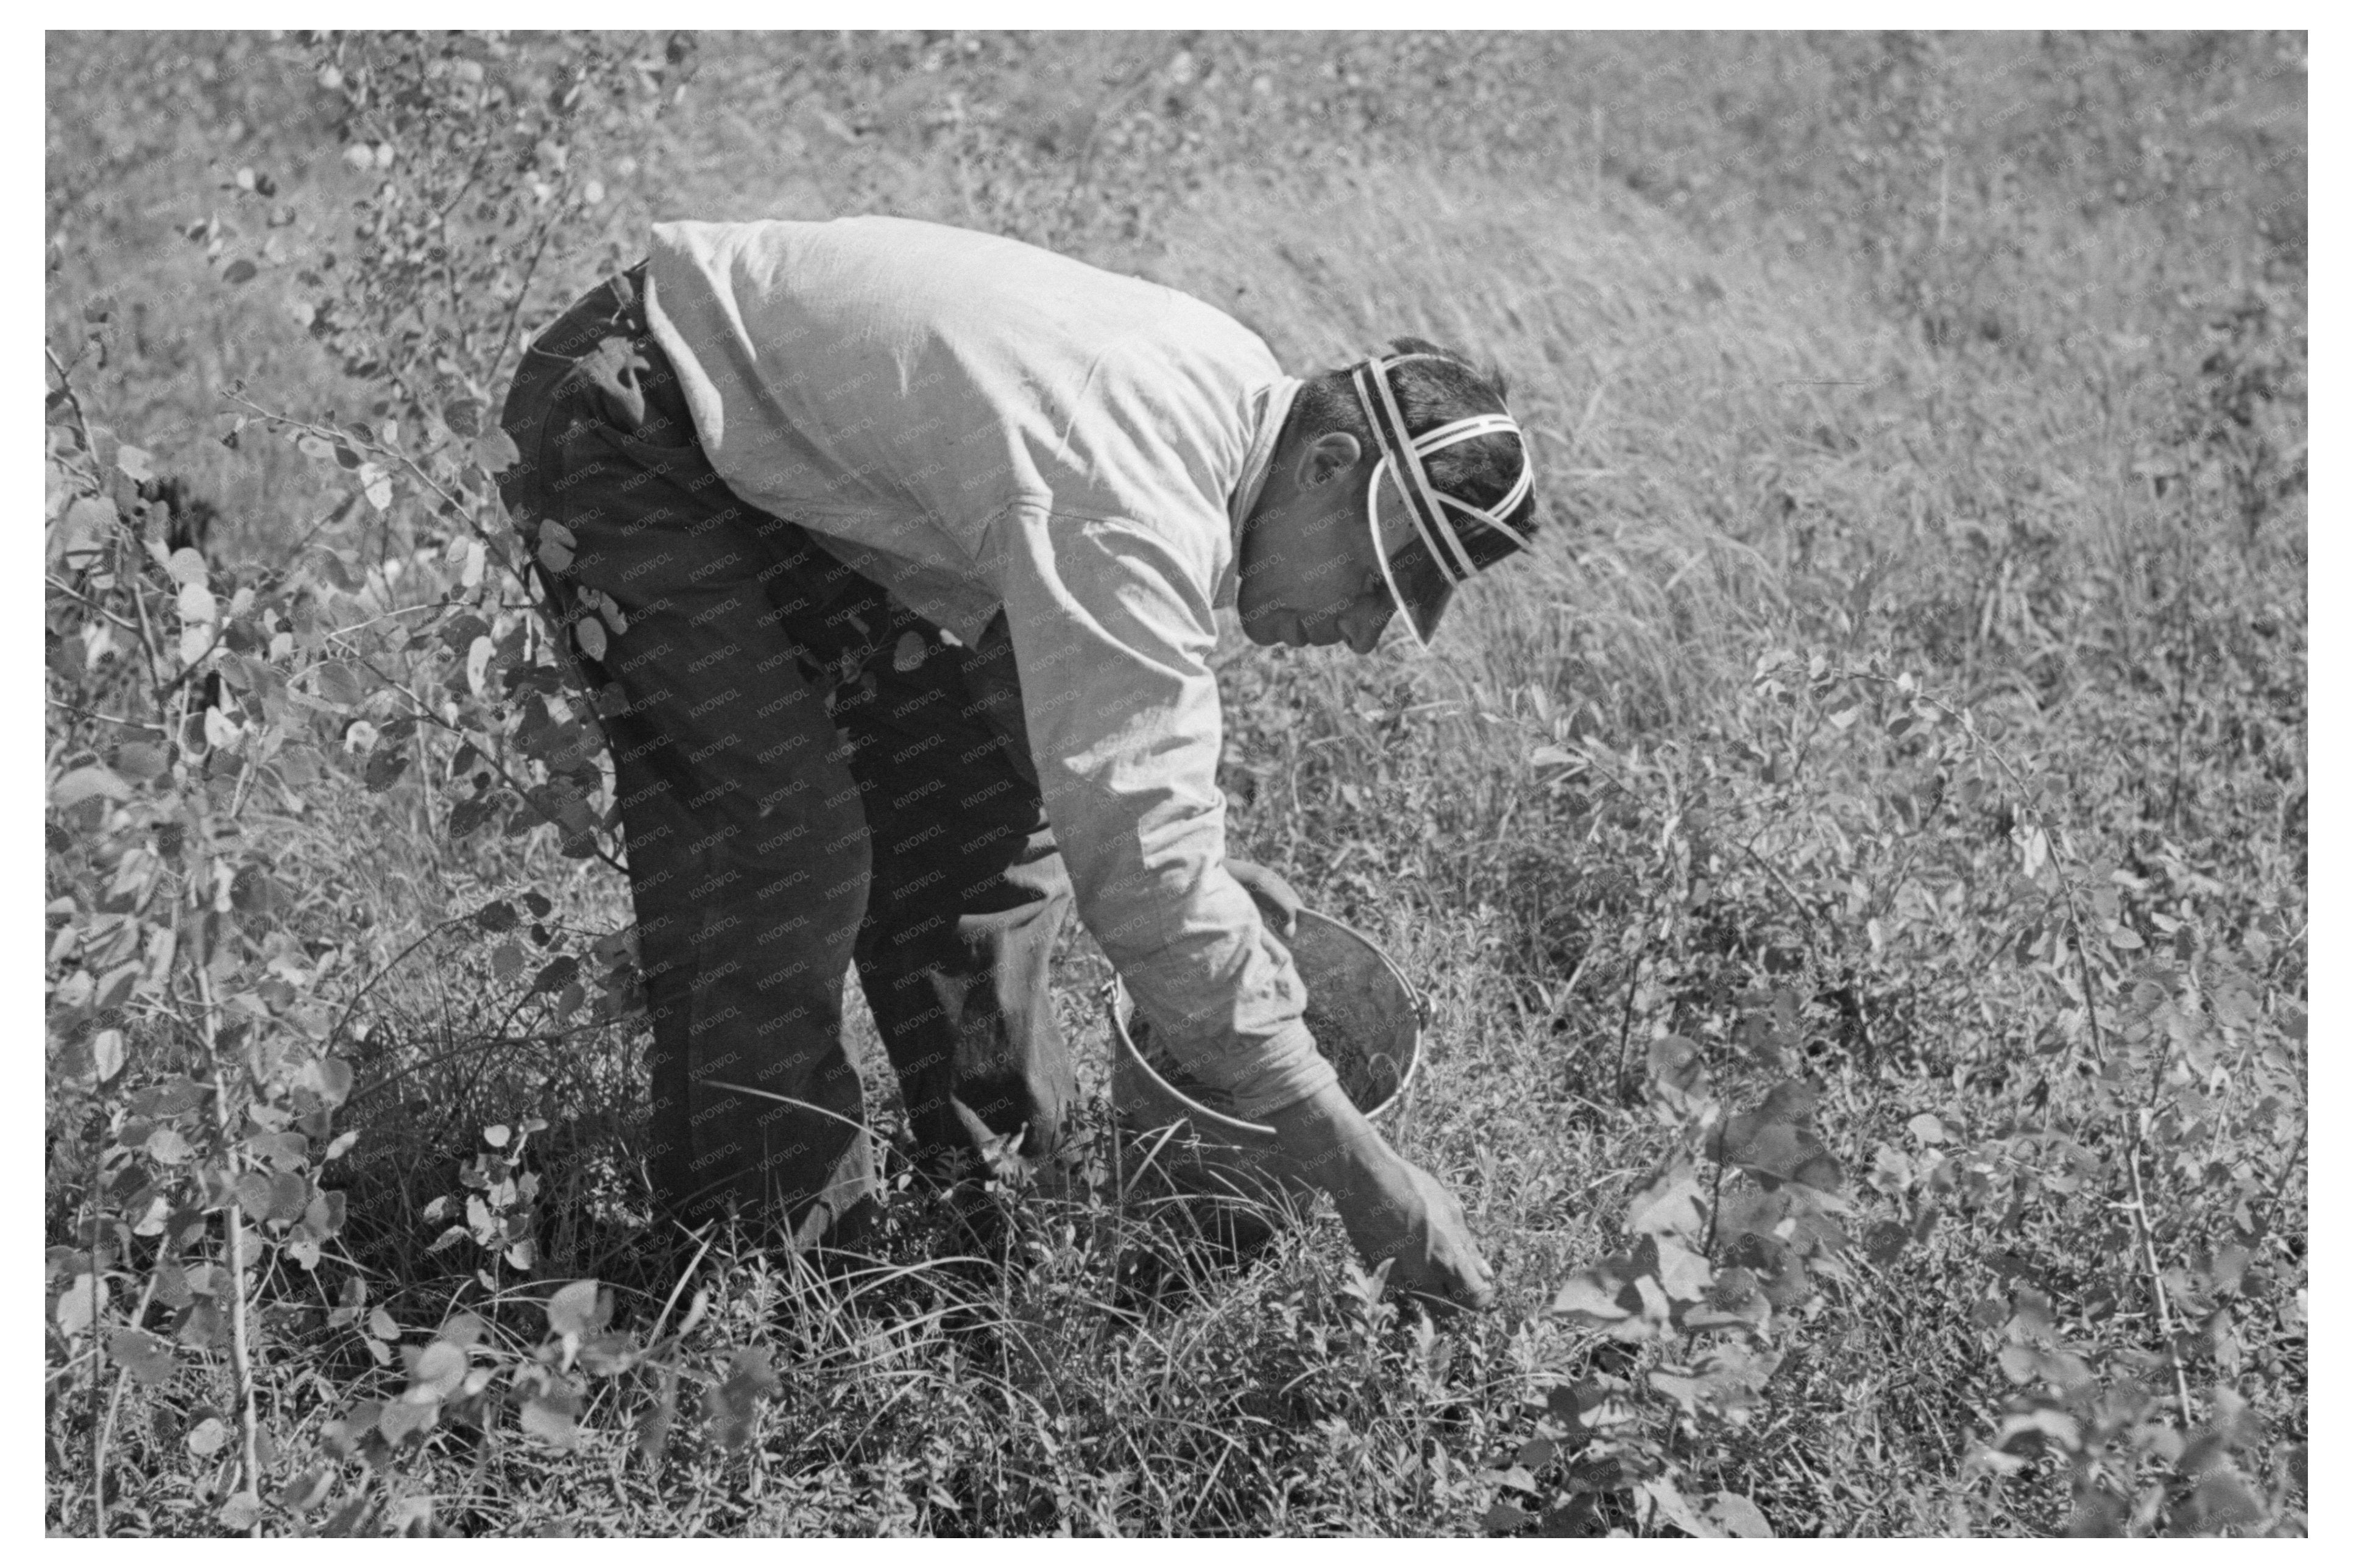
1329 1141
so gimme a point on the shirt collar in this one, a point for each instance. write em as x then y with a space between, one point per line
1272 407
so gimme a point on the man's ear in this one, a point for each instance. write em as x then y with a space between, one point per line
1328 457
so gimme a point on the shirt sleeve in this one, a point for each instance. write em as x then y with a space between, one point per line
1112 636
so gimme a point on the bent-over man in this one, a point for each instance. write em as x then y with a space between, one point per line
910 541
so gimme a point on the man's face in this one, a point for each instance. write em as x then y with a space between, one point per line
1309 574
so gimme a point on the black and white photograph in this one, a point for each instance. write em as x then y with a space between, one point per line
1192 783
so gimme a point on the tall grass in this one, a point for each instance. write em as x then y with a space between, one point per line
1777 407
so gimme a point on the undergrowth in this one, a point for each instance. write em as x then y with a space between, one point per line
1856 864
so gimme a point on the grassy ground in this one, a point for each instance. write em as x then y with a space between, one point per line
1978 362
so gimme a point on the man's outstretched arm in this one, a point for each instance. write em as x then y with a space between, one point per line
1120 711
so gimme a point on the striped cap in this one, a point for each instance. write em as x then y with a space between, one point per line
1450 539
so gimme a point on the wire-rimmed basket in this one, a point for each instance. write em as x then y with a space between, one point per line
1200 1145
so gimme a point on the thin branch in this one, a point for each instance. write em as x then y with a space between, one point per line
496 1037
107 718
522 293
2287 1174
115 1403
1626 1019
240 1347
97 1371
87 602
73 399
2156 1276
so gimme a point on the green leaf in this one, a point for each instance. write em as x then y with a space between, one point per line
463 415
106 1054
169 1097
290 1194
556 973
1581 1407
384 766
1503 1518
189 568
1600 1296
2223 1498
1684 1274
608 1355
241 270
252 892
733 1403
1678 1509
339 572
324 1219
141 1354
83 533
347 1432
1738 1516
340 684
1679 1075
1734 1301
437 1371
140 761
113 986
495 452
461 631
578 1310
1774 1144
205 1327
405 1418
307 1490
2034 850
549 1419
470 816
1669 1202
82 1302
87 784
497 916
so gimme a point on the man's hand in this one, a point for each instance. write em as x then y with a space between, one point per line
1391 1208
1278 900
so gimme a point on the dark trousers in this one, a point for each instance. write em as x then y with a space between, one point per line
810 776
